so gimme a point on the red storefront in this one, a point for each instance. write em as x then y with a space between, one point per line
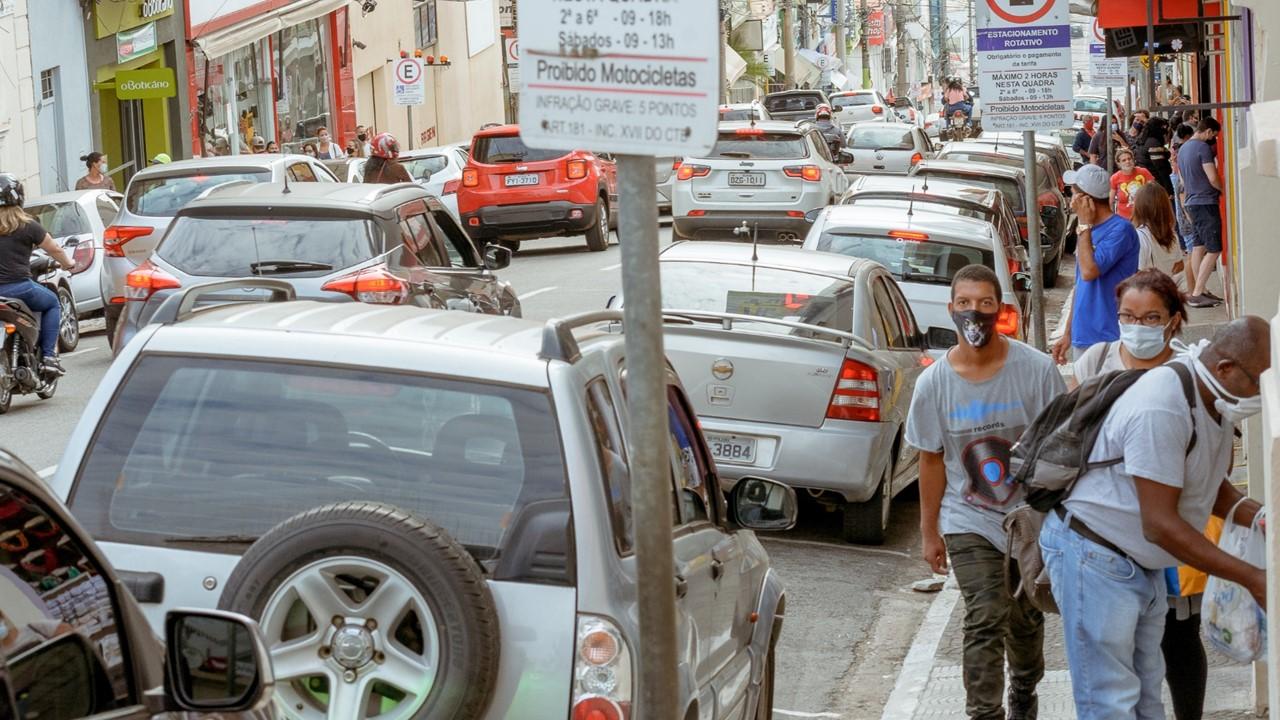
276 69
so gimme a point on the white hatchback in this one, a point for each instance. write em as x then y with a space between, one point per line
858 106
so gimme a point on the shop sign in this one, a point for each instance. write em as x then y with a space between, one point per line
875 28
115 16
156 8
512 49
407 86
1024 64
135 43
146 84
507 13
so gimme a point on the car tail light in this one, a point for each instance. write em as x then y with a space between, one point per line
1014 266
577 169
375 286
470 177
1022 226
810 173
116 236
688 172
1007 320
675 163
144 281
857 393
451 187
908 235
82 257
601 672
749 131
916 158
795 213
696 213
876 109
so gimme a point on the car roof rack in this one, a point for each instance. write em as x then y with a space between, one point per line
181 305
558 342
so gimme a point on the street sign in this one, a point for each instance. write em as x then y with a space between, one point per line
408 87
629 76
1024 64
1104 71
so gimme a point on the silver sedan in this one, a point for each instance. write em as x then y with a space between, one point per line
801 367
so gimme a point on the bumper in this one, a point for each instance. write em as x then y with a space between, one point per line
843 456
533 220
719 225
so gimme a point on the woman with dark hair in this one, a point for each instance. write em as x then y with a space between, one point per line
97 177
1157 235
1151 152
309 148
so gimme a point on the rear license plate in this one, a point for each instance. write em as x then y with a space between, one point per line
732 448
518 180
746 179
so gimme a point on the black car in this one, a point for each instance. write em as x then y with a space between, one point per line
794 104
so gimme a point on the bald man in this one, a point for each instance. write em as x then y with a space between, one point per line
1108 544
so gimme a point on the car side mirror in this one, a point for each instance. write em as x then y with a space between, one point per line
811 216
497 257
215 661
1022 282
63 673
760 504
845 156
941 338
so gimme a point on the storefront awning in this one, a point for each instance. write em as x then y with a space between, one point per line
220 42
1133 13
734 65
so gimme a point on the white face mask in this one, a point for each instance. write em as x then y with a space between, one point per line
1143 342
1234 409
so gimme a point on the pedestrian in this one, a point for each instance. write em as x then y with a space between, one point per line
259 145
161 159
1108 544
1150 152
1137 124
221 146
1126 181
309 148
272 147
325 148
383 166
1106 253
1098 146
20 234
1079 79
97 177
1186 228
968 410
1083 138
1152 313
1201 188
1157 239
1133 92
351 149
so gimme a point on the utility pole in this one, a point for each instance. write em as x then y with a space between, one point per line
838 26
724 41
973 47
789 44
865 42
901 87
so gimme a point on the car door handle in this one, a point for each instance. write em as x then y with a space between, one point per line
682 586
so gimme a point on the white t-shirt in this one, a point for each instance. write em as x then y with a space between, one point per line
1148 426
1151 255
1086 366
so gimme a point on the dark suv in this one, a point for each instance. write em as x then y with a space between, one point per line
383 244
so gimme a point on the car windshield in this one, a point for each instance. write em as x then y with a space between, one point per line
244 246
1091 105
60 219
424 167
843 101
761 291
919 206
1008 188
868 137
792 103
909 260
165 196
197 447
494 149
760 146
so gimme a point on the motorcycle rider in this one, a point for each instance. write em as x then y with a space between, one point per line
19 235
831 131
957 98
383 167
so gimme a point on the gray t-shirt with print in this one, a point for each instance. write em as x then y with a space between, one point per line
1150 427
974 425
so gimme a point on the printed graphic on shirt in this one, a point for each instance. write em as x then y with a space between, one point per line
987 443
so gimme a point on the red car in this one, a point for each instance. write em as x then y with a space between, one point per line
511 192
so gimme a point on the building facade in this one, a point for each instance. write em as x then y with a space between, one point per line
18 153
60 77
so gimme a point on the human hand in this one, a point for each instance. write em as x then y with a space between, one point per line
1257 587
935 552
1082 206
1061 349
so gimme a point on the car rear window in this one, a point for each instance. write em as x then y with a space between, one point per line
908 260
1090 105
762 291
165 196
762 146
421 168
793 103
494 149
740 114
861 99
202 448
60 219
240 247
920 206
1008 188
867 137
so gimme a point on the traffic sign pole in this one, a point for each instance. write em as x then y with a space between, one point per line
1034 250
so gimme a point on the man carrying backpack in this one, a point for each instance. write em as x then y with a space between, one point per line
1161 466
967 411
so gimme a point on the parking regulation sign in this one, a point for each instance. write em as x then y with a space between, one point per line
633 77
408 87
1024 64
1104 71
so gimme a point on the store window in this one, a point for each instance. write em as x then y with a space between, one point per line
234 99
303 100
424 24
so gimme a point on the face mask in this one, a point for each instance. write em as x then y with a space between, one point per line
978 328
1233 409
362 137
1139 125
1141 341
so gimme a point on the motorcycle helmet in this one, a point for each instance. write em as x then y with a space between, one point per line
823 111
11 193
385 146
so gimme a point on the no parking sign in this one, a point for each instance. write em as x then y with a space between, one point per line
408 87
1024 64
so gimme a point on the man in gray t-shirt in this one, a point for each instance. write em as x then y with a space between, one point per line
967 411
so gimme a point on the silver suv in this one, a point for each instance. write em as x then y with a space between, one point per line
427 511
156 194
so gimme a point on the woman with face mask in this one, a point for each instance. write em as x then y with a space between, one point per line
1151 314
97 177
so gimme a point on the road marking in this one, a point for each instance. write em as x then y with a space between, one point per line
835 546
81 352
48 471
539 291
796 713
918 665
615 266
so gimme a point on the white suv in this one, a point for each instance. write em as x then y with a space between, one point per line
765 175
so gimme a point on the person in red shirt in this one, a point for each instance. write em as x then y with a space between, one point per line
1126 181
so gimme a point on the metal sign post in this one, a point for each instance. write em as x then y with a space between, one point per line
638 79
1034 250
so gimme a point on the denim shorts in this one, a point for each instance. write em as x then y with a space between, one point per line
1208 225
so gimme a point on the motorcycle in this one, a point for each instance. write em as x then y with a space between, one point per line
958 127
20 347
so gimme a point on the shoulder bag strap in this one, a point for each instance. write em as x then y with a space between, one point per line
1102 358
1188 390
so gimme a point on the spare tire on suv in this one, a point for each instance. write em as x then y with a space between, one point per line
366 607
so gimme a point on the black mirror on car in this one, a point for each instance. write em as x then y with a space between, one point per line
812 216
761 504
1022 282
215 662
941 338
61 677
497 257
845 156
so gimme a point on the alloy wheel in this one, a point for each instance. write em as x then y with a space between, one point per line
69 326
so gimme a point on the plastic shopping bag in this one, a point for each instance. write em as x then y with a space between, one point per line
1232 620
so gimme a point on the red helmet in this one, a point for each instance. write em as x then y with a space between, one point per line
823 110
385 146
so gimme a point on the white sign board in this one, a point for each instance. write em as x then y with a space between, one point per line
1024 64
407 86
513 63
625 76
1104 71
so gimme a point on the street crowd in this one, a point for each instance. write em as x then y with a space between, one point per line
1130 542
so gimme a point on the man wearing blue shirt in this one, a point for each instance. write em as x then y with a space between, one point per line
1106 254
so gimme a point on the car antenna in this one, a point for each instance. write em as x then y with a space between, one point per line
925 187
286 183
911 203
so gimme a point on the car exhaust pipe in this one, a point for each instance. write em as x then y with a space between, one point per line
788 237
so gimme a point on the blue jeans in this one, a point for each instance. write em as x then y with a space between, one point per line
1186 229
1113 613
42 301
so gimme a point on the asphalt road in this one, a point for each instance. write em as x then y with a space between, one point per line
851 612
